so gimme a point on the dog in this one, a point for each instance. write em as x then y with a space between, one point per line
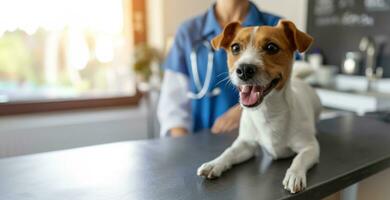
279 111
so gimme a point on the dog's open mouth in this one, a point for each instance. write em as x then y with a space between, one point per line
253 95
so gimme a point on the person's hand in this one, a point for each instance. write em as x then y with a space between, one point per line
229 121
178 132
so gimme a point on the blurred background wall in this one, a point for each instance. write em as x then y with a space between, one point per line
165 16
35 133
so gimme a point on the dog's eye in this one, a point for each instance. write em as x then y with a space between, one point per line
271 48
235 48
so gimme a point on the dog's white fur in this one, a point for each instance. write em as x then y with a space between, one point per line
283 124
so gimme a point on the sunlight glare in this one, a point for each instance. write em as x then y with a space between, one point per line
27 15
104 49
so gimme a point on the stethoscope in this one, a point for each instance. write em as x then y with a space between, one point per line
202 91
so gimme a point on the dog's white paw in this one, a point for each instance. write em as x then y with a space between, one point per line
295 180
211 169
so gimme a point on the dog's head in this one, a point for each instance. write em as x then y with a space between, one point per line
260 58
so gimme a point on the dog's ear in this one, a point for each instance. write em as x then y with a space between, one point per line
301 41
224 39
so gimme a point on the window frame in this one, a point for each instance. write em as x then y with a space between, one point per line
132 8
15 108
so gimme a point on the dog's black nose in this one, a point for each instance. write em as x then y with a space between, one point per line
246 71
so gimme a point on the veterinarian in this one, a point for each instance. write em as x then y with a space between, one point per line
191 100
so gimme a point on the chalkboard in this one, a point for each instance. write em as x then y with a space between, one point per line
339 25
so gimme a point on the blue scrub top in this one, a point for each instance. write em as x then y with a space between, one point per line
191 34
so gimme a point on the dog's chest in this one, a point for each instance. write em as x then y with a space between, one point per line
271 134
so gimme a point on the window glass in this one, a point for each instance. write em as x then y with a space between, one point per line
52 49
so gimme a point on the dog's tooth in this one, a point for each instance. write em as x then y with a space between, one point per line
261 90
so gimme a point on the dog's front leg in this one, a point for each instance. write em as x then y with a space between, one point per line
295 179
240 151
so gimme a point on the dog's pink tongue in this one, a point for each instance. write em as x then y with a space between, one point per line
248 95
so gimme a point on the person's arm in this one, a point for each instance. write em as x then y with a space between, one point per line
174 111
229 121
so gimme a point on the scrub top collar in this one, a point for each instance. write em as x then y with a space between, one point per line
253 18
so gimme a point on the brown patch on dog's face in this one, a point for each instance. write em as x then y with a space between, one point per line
265 52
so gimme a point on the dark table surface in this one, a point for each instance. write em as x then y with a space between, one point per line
352 149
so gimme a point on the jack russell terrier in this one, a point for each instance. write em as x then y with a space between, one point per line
279 112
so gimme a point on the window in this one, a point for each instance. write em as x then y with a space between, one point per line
64 50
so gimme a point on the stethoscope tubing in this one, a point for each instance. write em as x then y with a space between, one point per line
203 90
